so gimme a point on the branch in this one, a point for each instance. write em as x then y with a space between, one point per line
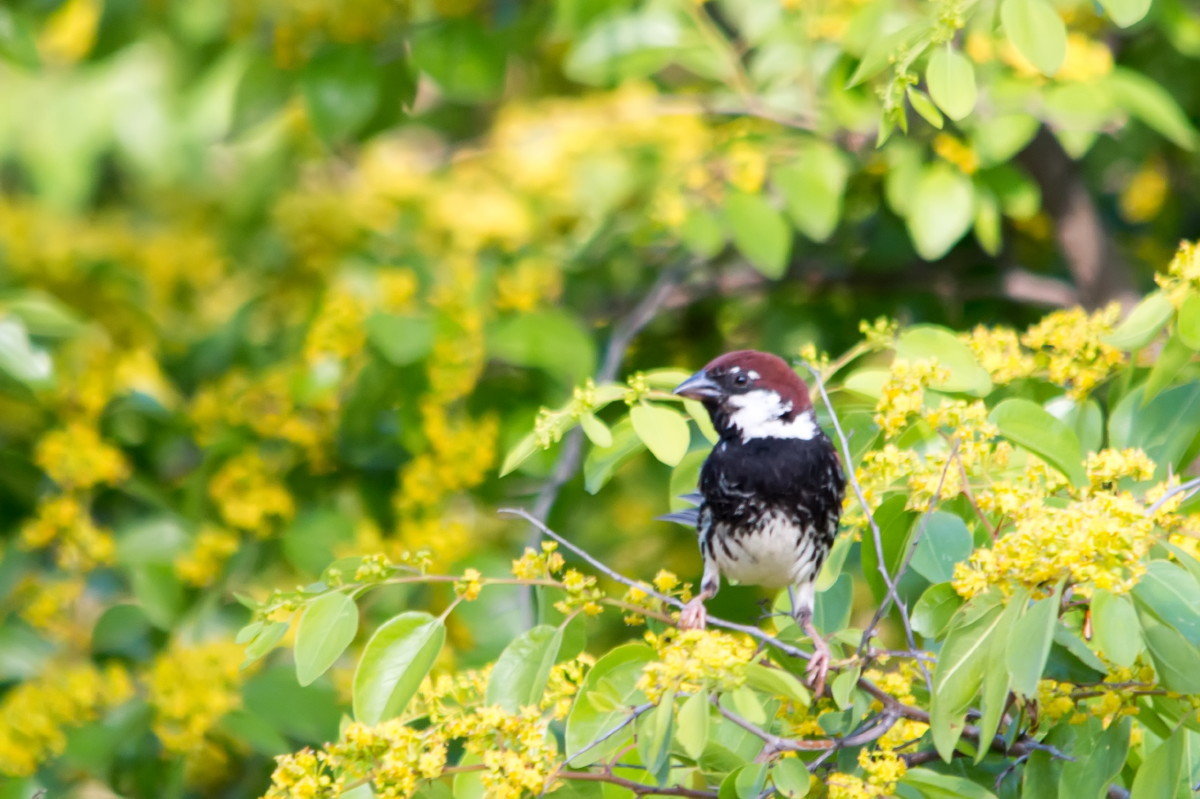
641 789
1190 487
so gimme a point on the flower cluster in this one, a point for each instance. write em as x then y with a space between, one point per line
902 395
35 715
695 660
1097 541
1183 273
1069 349
190 688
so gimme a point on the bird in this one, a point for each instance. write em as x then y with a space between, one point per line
771 489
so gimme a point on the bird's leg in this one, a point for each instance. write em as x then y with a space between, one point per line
802 611
694 616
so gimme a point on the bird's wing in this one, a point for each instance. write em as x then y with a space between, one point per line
688 516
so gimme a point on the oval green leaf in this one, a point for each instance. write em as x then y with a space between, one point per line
664 431
760 232
1188 324
1037 31
812 185
603 702
523 668
941 210
1029 425
1029 643
596 430
326 628
922 342
1126 12
393 663
951 80
1143 323
693 725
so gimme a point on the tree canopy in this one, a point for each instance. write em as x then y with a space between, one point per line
295 295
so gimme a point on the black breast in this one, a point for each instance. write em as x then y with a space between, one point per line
742 482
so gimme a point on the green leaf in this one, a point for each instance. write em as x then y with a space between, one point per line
552 340
326 628
997 681
933 611
1126 12
1164 427
925 107
879 53
922 342
1161 772
523 668
341 87
1037 31
945 542
467 62
1173 596
624 45
1116 632
601 462
267 639
941 210
987 226
951 80
393 664
663 430
791 778
1168 366
759 232
933 785
519 454
1027 424
693 725
1143 323
596 430
1029 643
20 359
615 676
1173 656
703 232
1152 104
1099 754
654 737
812 185
1188 324
959 675
777 683
401 340
18 38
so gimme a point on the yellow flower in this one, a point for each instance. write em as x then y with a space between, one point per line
693 659
190 688
212 547
76 457
36 715
1145 192
1069 349
248 496
66 523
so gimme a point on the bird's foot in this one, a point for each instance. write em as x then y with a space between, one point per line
818 665
693 616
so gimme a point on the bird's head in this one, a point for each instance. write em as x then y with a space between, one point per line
751 394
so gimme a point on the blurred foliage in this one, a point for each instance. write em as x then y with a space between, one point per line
280 280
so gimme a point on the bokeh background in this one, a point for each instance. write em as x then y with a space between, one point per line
282 280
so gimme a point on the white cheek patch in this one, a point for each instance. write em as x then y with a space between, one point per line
757 414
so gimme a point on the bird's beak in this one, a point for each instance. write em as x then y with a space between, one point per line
698 387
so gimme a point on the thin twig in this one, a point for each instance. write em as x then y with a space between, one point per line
1190 487
877 537
750 630
632 717
641 789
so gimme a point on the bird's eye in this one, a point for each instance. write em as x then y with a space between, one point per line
741 380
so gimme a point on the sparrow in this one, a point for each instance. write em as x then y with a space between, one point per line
770 491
